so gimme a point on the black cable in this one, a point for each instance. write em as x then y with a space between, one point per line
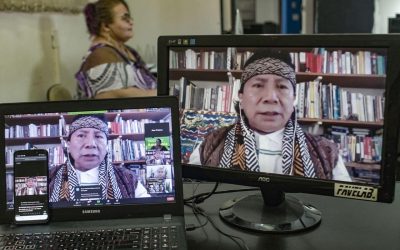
196 211
238 240
199 198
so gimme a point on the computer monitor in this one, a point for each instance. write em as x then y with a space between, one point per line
114 155
313 114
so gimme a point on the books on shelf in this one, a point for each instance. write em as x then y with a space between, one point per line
329 101
32 130
357 144
321 60
220 98
55 152
316 60
226 59
126 150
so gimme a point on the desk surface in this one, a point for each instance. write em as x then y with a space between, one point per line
346 224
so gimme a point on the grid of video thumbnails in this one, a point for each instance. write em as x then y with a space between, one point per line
159 174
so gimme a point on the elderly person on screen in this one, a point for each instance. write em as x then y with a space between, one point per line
30 188
266 136
88 164
112 69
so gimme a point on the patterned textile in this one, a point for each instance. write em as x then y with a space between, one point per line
240 150
113 75
88 122
66 181
269 66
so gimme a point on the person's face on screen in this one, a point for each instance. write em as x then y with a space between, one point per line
121 28
30 183
160 173
158 155
88 147
267 101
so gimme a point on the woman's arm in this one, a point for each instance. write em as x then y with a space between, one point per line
128 92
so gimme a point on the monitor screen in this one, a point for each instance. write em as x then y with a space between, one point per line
287 113
103 154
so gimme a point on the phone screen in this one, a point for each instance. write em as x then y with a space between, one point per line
30 186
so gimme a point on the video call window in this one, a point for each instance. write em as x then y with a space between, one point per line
35 185
335 100
121 158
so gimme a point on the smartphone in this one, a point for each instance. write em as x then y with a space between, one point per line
31 200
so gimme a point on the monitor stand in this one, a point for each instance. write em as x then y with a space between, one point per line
271 212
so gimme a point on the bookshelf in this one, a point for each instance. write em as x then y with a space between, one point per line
356 81
341 72
49 131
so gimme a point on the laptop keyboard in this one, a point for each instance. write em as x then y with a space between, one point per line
134 238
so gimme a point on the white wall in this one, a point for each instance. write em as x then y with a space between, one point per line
153 18
27 64
267 11
27 58
384 9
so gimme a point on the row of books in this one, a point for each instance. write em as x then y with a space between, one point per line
32 130
126 150
320 60
357 144
191 59
56 155
329 101
119 126
315 100
231 59
317 60
220 98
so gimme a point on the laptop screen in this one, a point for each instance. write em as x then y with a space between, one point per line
97 157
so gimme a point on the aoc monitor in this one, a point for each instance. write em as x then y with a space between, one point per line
286 113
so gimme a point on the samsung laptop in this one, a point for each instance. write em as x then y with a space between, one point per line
113 179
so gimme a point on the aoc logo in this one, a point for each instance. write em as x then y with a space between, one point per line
263 179
91 211
356 192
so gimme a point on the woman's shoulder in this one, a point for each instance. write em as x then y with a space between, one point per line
101 55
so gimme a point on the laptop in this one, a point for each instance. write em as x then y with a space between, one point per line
139 202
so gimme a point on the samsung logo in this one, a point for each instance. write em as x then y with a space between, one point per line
356 192
263 179
91 211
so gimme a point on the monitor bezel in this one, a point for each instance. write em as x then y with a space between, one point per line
104 212
294 184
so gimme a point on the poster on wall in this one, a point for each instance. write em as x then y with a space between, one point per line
65 6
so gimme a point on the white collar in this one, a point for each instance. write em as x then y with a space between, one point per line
90 176
270 141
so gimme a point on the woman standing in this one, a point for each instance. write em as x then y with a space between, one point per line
111 69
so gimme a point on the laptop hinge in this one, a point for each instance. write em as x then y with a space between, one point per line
167 218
